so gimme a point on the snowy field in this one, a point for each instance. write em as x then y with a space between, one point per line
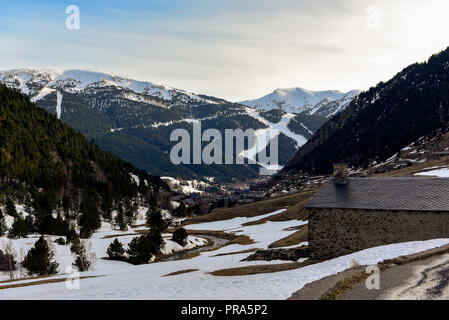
119 280
441 172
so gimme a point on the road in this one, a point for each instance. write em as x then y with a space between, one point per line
420 280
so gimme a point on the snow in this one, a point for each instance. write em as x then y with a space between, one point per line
100 241
74 80
42 94
186 186
264 136
135 179
231 224
175 204
119 280
58 104
442 173
296 100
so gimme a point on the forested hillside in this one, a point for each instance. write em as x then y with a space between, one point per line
134 119
381 121
58 174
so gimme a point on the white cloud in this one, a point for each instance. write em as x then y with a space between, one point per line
239 50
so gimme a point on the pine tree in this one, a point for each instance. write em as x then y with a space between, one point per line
181 211
90 217
75 248
10 208
39 260
156 221
19 228
71 235
154 237
3 228
115 250
120 221
180 236
130 211
139 250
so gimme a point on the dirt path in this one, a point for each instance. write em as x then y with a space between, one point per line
420 280
421 276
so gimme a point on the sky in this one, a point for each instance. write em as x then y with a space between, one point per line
231 49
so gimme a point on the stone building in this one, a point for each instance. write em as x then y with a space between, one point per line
360 213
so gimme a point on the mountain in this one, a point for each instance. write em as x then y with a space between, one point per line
51 168
134 119
302 101
382 121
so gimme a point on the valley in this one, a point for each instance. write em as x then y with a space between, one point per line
134 119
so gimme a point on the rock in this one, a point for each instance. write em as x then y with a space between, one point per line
279 254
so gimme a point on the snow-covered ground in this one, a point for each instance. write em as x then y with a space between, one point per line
119 280
186 186
442 172
297 100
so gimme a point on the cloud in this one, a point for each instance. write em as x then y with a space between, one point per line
234 49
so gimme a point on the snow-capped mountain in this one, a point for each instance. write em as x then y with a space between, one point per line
134 119
381 124
38 83
298 100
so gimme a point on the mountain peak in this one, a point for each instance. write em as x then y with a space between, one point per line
45 80
300 100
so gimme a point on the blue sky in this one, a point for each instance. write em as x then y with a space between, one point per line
231 49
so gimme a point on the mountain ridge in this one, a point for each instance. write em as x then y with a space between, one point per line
300 100
381 121
51 168
133 119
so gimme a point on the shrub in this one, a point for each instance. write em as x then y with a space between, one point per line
115 250
39 260
60 241
180 236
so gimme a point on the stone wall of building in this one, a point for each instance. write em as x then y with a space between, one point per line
337 232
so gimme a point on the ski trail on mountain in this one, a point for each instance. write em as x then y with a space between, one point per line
58 104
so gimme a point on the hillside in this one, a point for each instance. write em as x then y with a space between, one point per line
302 101
382 121
52 169
134 119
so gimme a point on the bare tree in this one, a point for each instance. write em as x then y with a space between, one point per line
84 256
10 254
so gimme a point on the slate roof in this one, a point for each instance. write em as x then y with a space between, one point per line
411 194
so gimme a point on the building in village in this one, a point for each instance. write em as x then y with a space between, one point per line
351 214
